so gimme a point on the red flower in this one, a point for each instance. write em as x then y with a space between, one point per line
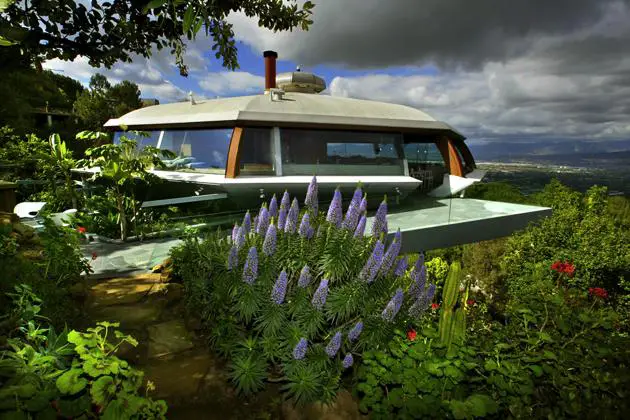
411 334
435 306
598 291
81 229
470 302
564 267
94 256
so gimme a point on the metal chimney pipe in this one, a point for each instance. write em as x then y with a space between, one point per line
270 69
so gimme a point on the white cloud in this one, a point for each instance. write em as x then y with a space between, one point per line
151 81
230 83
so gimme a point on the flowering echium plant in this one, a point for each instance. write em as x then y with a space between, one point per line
302 292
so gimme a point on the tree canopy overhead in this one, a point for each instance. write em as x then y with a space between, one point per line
111 31
104 101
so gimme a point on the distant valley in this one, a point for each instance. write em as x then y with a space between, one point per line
581 164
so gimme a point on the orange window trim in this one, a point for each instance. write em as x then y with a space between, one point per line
469 160
450 156
232 168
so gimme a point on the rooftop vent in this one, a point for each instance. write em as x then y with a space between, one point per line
300 81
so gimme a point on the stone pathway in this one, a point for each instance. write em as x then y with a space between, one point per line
174 356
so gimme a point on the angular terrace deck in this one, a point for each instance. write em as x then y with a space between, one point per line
430 224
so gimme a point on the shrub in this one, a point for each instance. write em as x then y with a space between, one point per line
581 231
124 169
70 375
301 295
50 263
559 355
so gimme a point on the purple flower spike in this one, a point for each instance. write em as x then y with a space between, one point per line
401 267
380 220
419 262
273 206
348 361
333 345
282 218
363 205
263 221
240 238
285 201
232 258
279 289
392 308
334 210
311 200
354 333
305 277
234 232
319 297
250 271
430 292
305 226
373 264
360 230
391 254
292 217
353 213
299 351
418 307
247 222
269 244
419 280
422 302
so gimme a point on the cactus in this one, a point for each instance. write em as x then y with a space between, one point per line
453 317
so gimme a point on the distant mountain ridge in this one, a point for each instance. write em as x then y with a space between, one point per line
580 153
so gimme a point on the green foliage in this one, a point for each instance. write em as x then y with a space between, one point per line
69 29
259 336
50 263
69 375
124 169
560 355
496 191
49 162
104 101
581 231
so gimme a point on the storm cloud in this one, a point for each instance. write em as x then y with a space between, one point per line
518 69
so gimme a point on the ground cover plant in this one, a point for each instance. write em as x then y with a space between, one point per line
296 296
68 374
562 354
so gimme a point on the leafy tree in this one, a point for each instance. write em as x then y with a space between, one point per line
116 30
124 168
26 93
104 101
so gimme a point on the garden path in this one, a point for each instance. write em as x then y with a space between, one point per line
173 355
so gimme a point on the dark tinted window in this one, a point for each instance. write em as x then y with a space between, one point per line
327 152
256 156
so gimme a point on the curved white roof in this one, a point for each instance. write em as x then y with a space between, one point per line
293 108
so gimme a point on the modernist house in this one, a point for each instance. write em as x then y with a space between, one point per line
242 149
281 138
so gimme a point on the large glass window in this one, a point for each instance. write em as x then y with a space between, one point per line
423 154
425 161
255 155
142 138
197 150
327 152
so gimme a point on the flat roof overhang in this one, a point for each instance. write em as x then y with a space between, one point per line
442 223
271 119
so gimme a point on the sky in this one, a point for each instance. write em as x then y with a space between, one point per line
496 70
